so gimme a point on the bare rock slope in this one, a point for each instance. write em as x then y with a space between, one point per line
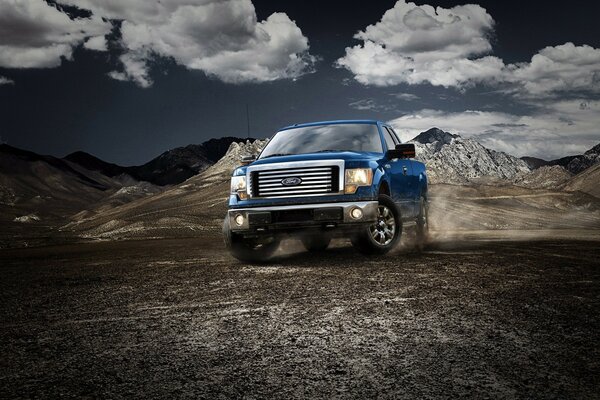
452 159
223 168
579 163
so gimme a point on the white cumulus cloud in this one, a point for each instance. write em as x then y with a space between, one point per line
422 44
34 34
557 69
414 44
97 43
432 33
223 38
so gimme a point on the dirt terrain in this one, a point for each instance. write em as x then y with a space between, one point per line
483 316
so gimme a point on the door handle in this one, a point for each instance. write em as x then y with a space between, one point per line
404 169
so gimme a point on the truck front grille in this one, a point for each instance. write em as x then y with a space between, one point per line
297 181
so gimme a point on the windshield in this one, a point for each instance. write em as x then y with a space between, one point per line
324 138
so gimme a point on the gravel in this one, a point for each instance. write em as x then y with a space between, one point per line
181 319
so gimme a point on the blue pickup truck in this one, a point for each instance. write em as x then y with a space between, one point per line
316 181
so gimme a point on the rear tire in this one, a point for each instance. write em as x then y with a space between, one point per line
423 224
383 235
316 242
248 250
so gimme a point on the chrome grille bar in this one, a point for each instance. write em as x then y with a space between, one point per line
314 178
307 181
295 170
289 174
294 188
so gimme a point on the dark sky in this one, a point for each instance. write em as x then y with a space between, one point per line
77 106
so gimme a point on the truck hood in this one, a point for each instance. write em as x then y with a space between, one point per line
337 155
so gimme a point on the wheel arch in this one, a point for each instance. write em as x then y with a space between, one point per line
384 188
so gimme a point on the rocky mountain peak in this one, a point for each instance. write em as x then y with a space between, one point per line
452 159
435 135
594 151
579 163
233 157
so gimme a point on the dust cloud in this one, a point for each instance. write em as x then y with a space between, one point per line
458 214
510 213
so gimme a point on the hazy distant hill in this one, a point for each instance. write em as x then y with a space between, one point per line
573 164
20 157
534 162
46 187
93 163
170 168
579 163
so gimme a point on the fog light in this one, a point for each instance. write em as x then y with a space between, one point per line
356 213
239 220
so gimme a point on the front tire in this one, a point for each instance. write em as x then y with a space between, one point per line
248 250
384 234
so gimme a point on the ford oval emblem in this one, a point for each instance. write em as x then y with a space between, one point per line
293 181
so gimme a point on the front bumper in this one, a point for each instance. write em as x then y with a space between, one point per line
288 218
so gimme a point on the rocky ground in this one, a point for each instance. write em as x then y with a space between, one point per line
483 316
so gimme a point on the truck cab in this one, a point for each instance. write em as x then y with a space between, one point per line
316 181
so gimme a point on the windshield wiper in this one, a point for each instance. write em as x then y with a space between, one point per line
278 155
327 151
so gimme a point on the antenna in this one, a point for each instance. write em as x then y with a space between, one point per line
247 122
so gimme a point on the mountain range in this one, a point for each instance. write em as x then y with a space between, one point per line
199 203
47 190
29 181
573 164
184 188
171 167
455 160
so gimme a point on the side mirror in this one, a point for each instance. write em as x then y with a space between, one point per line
401 151
248 159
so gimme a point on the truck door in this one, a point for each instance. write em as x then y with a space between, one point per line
400 171
414 178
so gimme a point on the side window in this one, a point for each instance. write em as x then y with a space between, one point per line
394 135
389 139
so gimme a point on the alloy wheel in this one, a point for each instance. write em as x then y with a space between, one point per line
384 229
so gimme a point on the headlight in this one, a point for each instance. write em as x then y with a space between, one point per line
238 186
357 177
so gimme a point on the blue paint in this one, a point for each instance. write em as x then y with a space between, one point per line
405 178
